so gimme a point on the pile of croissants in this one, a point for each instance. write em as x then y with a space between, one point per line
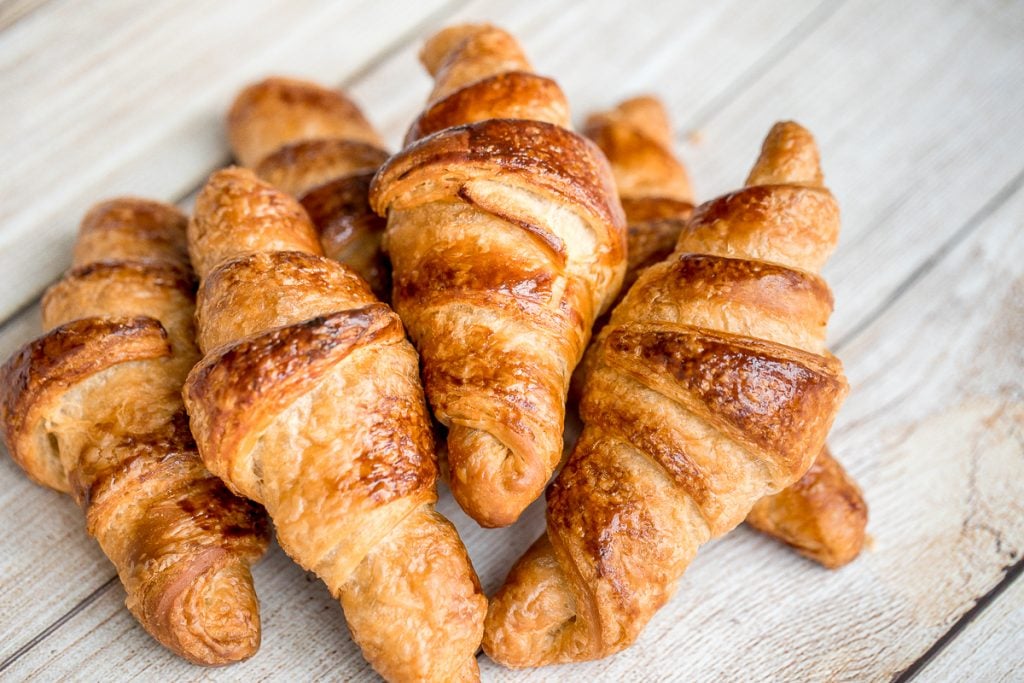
336 327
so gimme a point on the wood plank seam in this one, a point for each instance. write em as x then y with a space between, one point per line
425 26
23 309
428 24
993 204
65 618
789 42
1013 573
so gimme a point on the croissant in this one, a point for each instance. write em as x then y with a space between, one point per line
711 387
93 408
308 401
823 516
315 144
506 240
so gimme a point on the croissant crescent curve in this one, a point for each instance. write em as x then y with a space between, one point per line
506 240
93 408
823 515
711 387
308 401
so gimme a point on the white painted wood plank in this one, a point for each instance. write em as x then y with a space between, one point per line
692 636
11 11
127 98
990 648
601 51
301 622
304 633
392 95
919 112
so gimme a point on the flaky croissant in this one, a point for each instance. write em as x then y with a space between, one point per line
711 388
308 401
823 515
93 408
315 144
506 241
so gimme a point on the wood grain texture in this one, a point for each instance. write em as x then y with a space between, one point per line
47 534
990 648
99 93
917 109
12 11
918 122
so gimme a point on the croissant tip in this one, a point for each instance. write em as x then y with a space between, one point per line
789 155
219 621
254 88
643 106
220 180
271 113
230 174
438 46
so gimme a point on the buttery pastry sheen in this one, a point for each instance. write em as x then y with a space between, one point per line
507 241
710 388
823 515
93 408
308 401
315 144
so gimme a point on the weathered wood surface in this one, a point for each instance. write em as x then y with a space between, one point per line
989 648
919 109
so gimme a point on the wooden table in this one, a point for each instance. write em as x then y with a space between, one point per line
919 111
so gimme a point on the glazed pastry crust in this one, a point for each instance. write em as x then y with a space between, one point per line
276 111
701 398
506 240
823 516
308 400
315 144
93 408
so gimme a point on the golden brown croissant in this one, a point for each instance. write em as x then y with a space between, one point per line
506 240
314 144
711 388
93 408
308 401
823 516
